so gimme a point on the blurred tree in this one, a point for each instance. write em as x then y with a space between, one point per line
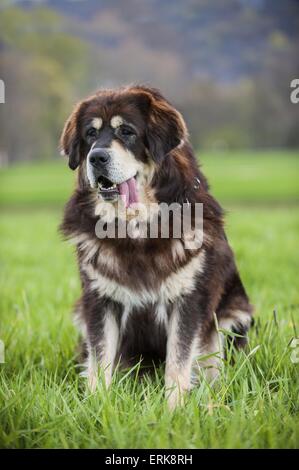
227 66
42 81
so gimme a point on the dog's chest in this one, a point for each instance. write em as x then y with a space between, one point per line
138 278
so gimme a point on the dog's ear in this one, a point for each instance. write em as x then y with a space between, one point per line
165 128
70 141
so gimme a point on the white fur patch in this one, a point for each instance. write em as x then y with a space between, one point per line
177 373
91 369
116 121
178 283
87 245
79 321
110 346
90 174
123 164
124 319
237 317
184 280
97 123
177 250
161 315
90 247
106 359
212 365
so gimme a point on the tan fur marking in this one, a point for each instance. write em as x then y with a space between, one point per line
97 123
178 283
177 374
107 355
116 121
178 252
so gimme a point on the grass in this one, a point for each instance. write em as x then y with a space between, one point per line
43 402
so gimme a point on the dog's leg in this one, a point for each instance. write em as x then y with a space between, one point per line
211 354
235 312
103 341
182 342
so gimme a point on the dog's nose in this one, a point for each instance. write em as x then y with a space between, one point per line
99 157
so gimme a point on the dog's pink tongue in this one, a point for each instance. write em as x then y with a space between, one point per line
128 191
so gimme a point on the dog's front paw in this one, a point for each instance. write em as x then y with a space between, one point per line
175 392
174 398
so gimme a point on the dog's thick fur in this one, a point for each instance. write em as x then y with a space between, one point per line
150 297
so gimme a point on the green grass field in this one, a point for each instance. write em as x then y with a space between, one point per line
43 402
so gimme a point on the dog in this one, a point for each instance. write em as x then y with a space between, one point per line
148 297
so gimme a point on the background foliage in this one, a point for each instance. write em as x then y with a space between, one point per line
227 66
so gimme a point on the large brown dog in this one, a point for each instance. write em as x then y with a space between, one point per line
143 296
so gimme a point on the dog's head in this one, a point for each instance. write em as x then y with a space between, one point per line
117 137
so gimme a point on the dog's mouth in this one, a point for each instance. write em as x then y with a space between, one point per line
127 190
107 189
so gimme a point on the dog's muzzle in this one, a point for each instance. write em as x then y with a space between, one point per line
99 162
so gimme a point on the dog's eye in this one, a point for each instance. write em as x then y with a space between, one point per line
92 132
125 131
